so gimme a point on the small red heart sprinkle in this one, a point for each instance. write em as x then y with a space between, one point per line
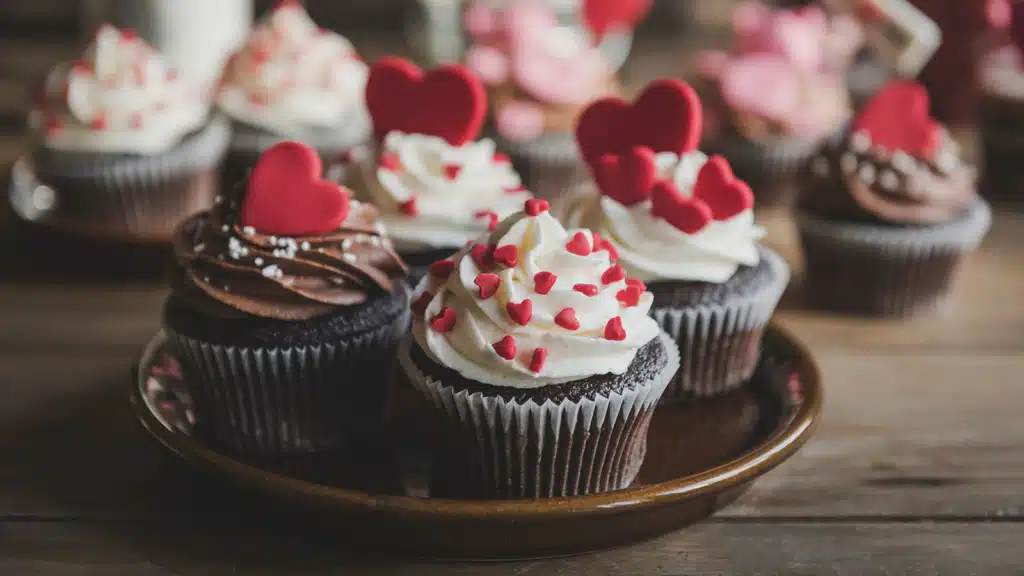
613 330
543 282
636 282
409 207
129 34
685 213
442 269
488 284
444 321
537 360
452 170
613 274
535 206
136 121
507 255
586 289
506 347
724 193
567 319
629 296
520 313
579 244
481 255
389 161
53 125
501 158
516 190
492 218
100 121
81 67
422 301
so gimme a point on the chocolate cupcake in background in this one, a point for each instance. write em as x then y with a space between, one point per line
125 142
286 308
292 80
683 225
1001 113
542 377
888 213
435 187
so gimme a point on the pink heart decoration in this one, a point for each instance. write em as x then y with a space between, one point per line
721 191
764 84
519 120
628 178
897 118
287 197
600 16
687 214
488 63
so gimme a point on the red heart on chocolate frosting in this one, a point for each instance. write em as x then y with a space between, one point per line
628 178
600 16
448 101
724 193
665 117
686 213
286 195
897 118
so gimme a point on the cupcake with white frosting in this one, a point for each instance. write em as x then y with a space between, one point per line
125 141
533 338
435 186
683 225
292 80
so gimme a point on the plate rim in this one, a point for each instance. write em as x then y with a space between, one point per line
732 474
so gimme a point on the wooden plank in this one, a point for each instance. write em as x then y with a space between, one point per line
792 548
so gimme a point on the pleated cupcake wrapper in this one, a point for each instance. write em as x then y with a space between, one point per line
508 450
548 165
770 169
290 400
719 345
879 271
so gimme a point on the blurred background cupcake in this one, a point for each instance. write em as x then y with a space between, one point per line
889 211
1001 113
292 80
124 144
287 304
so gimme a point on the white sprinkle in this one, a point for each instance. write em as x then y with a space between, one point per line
282 241
848 163
349 257
227 288
946 161
288 281
258 261
305 245
346 244
271 271
860 141
199 247
888 180
319 249
218 199
867 173
225 228
375 240
248 230
272 239
354 203
819 166
206 278
902 162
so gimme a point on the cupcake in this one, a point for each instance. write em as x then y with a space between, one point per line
1001 117
292 80
286 309
776 95
436 188
682 224
540 363
888 212
125 142
539 75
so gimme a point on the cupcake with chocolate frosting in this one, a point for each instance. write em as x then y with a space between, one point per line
681 224
436 188
125 142
542 375
287 305
292 80
888 212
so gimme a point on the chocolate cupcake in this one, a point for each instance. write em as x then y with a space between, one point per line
292 80
888 212
435 187
286 309
683 224
542 376
124 141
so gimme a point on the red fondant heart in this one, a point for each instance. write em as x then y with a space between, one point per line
897 118
686 213
628 178
448 101
724 193
287 197
665 117
600 16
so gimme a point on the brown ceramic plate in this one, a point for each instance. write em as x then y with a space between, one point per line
700 458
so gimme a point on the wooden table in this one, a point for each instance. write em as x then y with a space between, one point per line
917 467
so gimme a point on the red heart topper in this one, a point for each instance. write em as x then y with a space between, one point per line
717 195
600 16
897 118
287 197
448 101
665 117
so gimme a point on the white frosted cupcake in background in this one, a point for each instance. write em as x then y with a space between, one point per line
292 80
125 142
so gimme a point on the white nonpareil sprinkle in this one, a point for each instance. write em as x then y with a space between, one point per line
225 228
248 230
258 261
375 240
848 163
353 203
199 247
946 161
888 180
272 239
218 199
346 244
902 162
860 141
272 271
867 173
349 257
305 245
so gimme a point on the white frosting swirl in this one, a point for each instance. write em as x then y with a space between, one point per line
571 354
291 76
651 249
448 211
121 97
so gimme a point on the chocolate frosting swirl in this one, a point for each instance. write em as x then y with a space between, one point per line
231 270
854 180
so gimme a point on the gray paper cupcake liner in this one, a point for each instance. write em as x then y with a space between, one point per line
510 450
769 169
719 344
887 271
290 400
